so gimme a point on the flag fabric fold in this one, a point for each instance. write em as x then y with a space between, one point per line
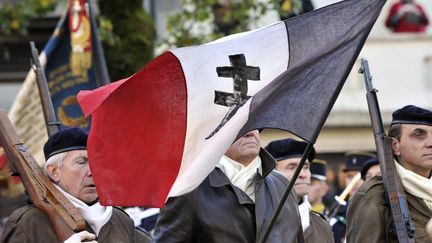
162 131
3 159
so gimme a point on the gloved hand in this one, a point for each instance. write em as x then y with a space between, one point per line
83 236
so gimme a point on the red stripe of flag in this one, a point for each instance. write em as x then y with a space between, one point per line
156 100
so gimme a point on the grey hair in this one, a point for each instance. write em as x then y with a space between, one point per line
395 131
56 159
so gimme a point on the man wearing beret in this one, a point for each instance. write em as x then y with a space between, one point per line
369 217
234 203
288 153
370 169
319 186
68 168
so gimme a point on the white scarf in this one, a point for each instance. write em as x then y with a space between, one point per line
304 209
241 176
95 215
416 184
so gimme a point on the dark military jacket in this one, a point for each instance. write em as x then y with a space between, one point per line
30 225
217 211
370 220
319 230
338 224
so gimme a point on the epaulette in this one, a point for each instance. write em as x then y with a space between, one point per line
370 184
17 215
121 210
142 230
319 214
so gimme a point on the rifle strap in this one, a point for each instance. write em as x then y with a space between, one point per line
398 202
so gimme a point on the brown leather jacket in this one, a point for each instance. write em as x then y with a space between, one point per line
369 216
319 230
217 211
29 224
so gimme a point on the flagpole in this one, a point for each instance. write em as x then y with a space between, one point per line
287 192
100 62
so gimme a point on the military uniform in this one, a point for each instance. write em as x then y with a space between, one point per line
217 211
354 161
319 208
30 225
338 224
370 220
318 169
319 230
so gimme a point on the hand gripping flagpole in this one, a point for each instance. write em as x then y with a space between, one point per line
287 192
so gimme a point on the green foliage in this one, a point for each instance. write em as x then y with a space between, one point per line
128 34
190 25
15 17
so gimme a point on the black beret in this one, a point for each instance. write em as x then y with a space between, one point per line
369 163
411 114
288 148
318 169
66 140
355 160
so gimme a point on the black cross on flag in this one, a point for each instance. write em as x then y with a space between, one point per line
241 74
301 64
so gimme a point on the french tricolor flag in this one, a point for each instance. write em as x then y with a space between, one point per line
161 131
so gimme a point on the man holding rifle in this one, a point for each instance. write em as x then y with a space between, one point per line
68 168
369 217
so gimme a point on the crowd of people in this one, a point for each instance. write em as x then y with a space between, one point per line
236 201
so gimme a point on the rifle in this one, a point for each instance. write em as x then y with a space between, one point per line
391 180
52 125
64 216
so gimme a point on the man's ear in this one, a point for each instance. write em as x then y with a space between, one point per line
395 146
52 172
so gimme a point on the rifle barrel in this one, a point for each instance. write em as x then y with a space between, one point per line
391 180
52 125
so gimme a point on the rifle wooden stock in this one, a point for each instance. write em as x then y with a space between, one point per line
64 216
391 180
52 125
